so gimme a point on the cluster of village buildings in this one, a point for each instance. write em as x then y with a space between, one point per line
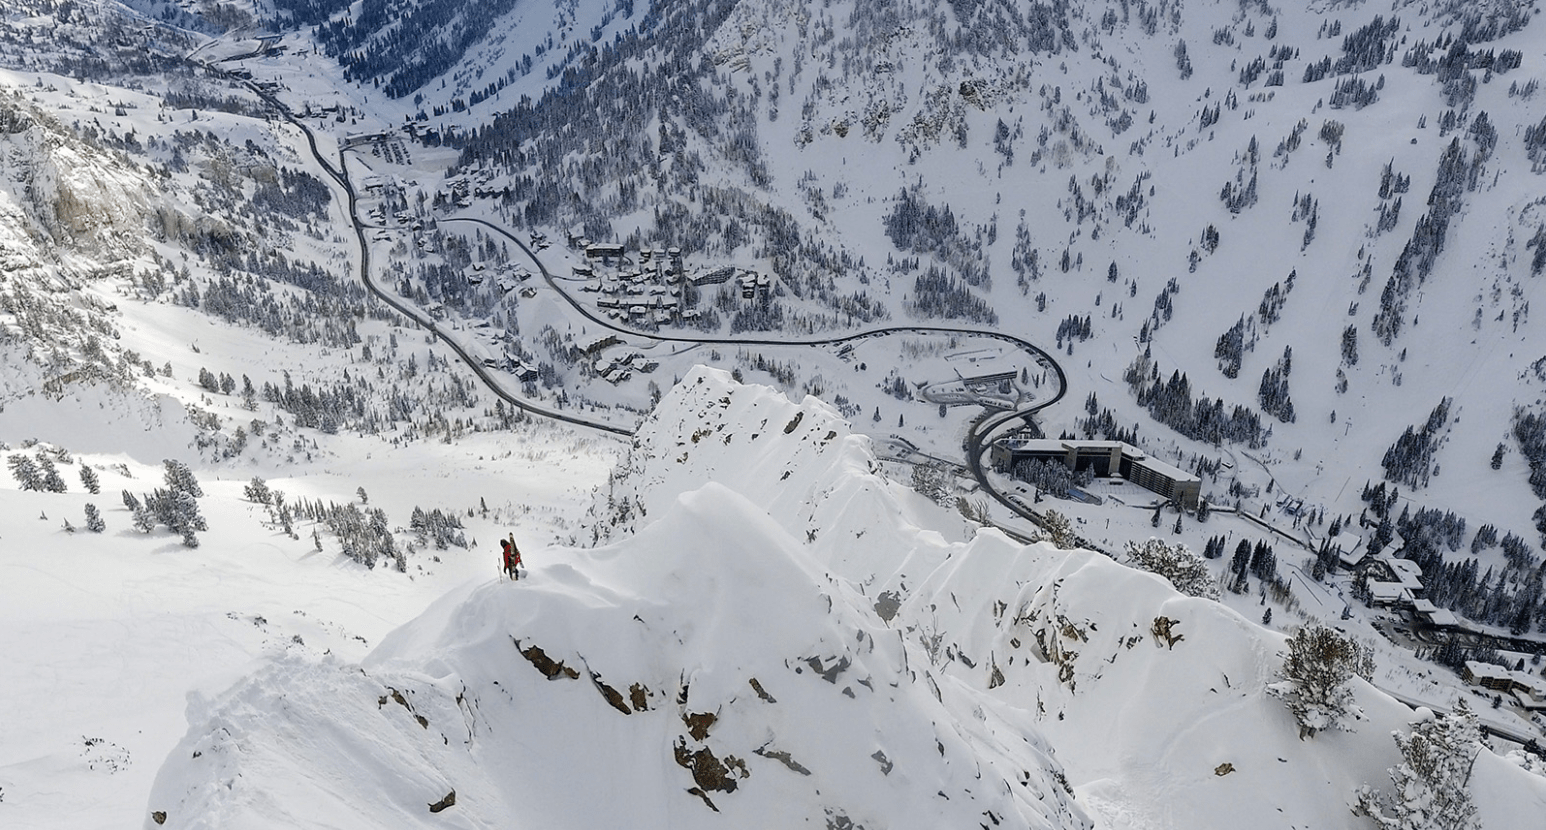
649 286
1397 584
613 365
1526 690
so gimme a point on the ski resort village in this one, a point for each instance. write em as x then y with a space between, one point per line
1090 415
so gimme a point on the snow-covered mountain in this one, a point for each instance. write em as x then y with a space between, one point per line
340 247
1324 219
742 658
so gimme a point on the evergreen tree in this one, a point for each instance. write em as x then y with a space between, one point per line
185 513
1316 672
1230 349
49 475
1350 345
1059 531
930 481
1240 565
1264 562
25 472
1185 570
144 518
94 522
89 480
1432 783
257 491
180 479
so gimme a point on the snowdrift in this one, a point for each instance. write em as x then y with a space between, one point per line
780 640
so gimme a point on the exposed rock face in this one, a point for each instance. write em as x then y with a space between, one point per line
67 193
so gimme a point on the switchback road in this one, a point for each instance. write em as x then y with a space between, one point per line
974 445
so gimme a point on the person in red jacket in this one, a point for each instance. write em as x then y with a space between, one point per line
512 557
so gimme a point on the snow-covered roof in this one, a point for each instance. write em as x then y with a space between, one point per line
1347 541
1386 592
1443 617
1170 471
1036 445
1487 670
1352 556
1407 572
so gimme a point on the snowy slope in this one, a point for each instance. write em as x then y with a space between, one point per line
709 651
134 245
1082 160
631 662
1140 727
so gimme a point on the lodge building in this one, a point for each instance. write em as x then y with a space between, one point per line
1102 459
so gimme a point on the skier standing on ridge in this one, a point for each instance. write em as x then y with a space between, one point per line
511 558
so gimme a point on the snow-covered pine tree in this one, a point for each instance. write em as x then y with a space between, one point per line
49 475
25 472
1319 664
1185 570
1059 531
180 479
1264 562
1432 781
94 522
931 482
144 516
185 512
257 491
89 480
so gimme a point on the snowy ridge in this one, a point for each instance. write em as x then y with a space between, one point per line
1156 702
802 463
635 663
705 672
711 640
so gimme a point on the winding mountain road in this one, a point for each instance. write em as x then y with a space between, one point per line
974 445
